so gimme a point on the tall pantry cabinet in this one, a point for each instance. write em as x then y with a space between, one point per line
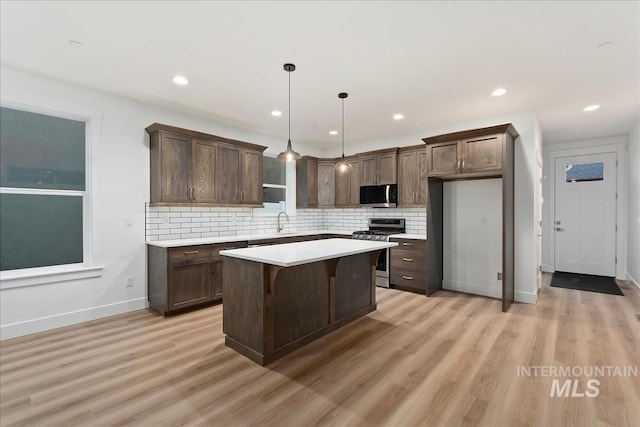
473 154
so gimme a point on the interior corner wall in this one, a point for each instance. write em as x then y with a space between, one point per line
633 206
123 179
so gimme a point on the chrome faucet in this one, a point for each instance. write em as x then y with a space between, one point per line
279 226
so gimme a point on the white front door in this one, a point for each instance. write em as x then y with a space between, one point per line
585 214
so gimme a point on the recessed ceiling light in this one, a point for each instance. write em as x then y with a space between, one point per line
591 108
499 92
180 80
398 116
276 113
333 132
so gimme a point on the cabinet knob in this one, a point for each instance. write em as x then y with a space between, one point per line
407 277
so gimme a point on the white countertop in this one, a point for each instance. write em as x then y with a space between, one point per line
290 254
238 238
410 236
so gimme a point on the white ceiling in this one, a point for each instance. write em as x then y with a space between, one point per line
436 62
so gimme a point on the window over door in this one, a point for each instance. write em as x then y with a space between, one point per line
43 191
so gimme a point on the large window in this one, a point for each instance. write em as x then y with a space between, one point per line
42 190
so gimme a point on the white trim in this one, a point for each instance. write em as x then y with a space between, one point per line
526 297
44 275
92 235
614 145
634 283
71 318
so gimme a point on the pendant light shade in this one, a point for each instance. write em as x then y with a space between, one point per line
289 154
343 165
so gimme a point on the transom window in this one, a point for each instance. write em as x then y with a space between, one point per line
584 172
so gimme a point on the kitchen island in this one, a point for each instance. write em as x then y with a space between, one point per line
278 298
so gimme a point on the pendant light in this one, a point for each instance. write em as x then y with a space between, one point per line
343 165
289 154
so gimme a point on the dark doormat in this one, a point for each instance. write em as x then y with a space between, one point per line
585 282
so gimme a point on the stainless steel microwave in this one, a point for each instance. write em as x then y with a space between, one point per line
379 196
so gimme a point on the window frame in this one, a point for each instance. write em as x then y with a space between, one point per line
290 191
91 236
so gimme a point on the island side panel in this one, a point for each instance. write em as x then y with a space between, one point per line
300 301
354 284
243 314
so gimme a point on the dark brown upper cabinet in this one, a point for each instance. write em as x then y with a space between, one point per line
195 167
239 173
348 184
326 183
412 176
379 167
467 155
307 182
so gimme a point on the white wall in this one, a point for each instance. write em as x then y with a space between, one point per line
472 236
633 206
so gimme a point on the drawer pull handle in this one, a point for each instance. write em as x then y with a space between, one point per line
407 277
407 244
190 252
408 259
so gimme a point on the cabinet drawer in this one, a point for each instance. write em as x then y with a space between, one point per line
410 244
189 254
413 260
226 246
408 278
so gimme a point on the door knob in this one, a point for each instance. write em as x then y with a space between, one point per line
559 229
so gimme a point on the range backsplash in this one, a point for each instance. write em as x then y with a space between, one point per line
174 223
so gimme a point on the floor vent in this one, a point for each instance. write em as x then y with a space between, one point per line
638 317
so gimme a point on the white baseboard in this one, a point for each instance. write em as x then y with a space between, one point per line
634 283
65 319
488 291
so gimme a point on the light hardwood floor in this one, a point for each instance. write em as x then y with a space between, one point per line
451 359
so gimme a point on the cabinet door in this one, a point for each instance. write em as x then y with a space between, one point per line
203 171
228 174
368 170
421 198
408 176
306 183
343 187
443 158
387 168
251 183
175 168
354 182
189 284
312 183
216 279
326 184
482 154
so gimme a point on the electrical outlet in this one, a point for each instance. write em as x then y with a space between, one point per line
128 221
128 281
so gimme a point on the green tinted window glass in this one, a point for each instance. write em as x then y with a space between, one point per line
38 151
40 230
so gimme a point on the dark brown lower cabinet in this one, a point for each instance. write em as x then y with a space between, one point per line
408 265
185 277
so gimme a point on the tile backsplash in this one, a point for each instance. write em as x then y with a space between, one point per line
175 223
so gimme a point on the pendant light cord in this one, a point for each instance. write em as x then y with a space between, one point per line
342 128
289 106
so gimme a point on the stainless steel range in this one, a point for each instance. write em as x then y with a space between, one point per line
380 229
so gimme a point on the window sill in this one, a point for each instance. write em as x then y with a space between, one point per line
19 279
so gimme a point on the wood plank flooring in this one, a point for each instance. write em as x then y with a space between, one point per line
451 359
